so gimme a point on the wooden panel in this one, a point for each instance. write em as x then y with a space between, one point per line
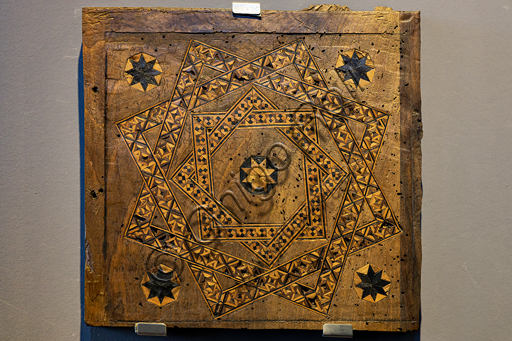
252 173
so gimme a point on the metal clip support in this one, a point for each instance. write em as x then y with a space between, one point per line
338 330
151 329
247 8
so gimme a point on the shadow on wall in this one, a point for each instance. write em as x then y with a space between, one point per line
101 333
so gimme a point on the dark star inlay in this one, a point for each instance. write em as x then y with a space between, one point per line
143 72
161 285
355 68
372 283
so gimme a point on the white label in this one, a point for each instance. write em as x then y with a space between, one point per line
250 8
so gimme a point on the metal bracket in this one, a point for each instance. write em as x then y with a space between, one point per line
151 329
247 8
338 330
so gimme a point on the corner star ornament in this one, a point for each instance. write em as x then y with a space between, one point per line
373 283
356 67
143 72
258 175
162 287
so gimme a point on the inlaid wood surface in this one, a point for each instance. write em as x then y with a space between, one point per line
252 172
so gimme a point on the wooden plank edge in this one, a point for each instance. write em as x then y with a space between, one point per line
145 19
379 326
410 156
94 28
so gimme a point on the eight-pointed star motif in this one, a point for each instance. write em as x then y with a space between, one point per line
371 283
162 287
258 175
143 72
356 67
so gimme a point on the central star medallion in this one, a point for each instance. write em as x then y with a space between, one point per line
258 175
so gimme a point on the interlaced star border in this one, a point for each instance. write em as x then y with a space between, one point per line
256 281
322 176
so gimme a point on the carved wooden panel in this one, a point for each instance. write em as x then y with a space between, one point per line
252 172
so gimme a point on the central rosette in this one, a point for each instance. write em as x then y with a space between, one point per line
258 175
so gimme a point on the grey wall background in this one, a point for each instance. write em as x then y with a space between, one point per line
467 232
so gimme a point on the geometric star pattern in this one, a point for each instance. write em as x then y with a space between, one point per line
322 176
143 72
162 287
258 175
371 283
255 281
356 66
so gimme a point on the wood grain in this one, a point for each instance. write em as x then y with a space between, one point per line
242 164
